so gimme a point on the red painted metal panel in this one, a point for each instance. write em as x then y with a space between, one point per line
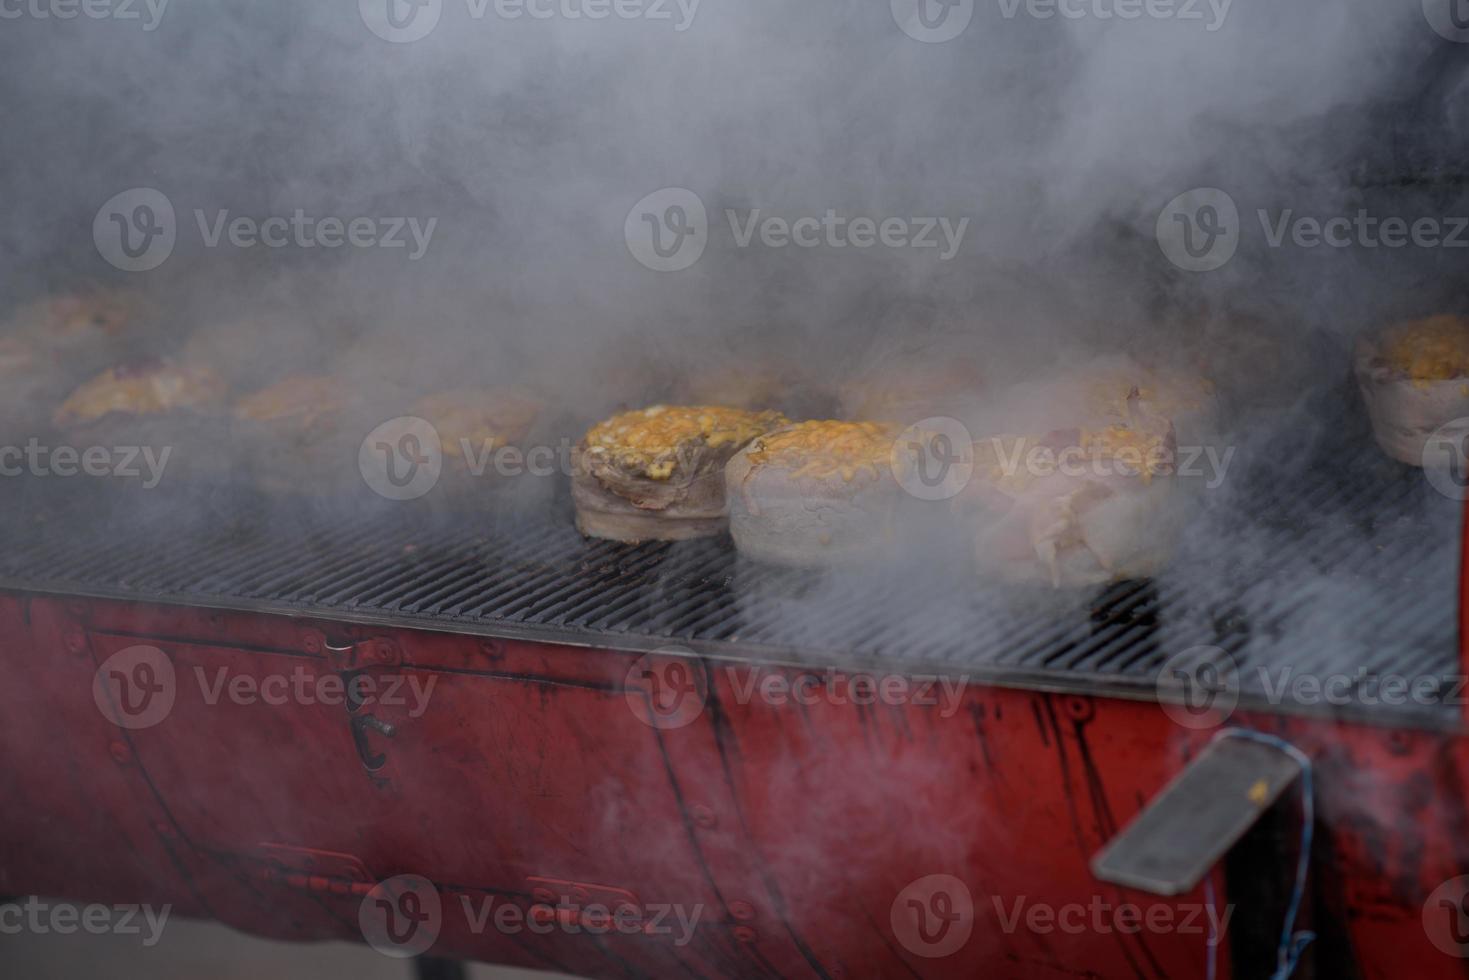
792 827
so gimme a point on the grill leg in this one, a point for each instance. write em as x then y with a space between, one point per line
431 968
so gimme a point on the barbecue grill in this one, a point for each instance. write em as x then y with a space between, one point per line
795 828
453 729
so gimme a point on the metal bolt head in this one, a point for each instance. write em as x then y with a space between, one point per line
745 934
703 816
743 911
121 754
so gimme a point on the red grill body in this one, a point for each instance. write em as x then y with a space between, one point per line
533 779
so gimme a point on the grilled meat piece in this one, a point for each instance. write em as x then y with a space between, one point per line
1075 507
1414 379
658 473
142 389
815 493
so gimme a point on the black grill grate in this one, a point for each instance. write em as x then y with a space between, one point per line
1341 566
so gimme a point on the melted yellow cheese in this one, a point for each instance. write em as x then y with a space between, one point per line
1146 451
650 439
826 448
1432 349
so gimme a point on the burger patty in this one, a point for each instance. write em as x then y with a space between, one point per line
658 473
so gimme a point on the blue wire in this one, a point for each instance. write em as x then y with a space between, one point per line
1292 944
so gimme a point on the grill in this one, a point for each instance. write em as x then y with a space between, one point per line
1340 564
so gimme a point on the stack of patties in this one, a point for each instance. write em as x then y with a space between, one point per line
658 473
1414 379
815 493
297 435
1075 506
155 404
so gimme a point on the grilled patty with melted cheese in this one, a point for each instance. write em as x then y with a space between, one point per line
657 473
1414 379
815 493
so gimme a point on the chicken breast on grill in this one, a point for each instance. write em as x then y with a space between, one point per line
658 473
1075 507
149 388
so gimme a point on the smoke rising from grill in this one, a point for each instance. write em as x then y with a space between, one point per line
1057 140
